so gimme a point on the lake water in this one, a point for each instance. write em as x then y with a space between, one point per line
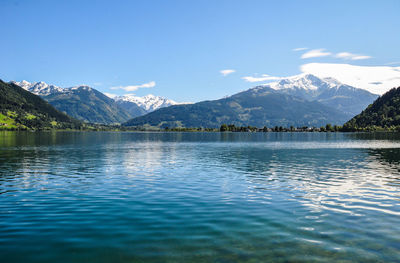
199 197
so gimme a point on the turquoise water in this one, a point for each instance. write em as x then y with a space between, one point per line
199 197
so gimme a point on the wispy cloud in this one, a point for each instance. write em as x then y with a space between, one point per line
226 72
110 95
351 56
393 63
299 49
375 79
264 77
150 84
315 53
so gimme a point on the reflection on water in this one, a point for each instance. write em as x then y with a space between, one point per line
225 197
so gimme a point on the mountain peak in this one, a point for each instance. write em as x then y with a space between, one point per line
328 91
23 82
307 82
39 88
149 102
81 87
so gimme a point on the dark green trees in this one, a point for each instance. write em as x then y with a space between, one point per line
384 113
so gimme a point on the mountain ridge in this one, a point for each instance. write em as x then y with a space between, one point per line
289 101
384 112
327 91
112 110
256 107
137 106
21 109
88 104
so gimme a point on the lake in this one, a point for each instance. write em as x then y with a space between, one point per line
199 197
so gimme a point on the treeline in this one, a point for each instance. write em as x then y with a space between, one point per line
190 129
233 128
347 127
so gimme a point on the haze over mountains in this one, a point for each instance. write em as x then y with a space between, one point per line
301 100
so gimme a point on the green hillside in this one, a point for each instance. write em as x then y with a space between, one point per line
256 107
20 109
383 113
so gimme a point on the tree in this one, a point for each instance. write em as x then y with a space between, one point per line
223 128
328 127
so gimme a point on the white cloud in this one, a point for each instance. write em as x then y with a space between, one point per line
315 53
299 49
226 72
393 63
348 55
264 77
150 84
110 95
375 79
360 57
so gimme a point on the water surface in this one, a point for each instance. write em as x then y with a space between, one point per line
199 197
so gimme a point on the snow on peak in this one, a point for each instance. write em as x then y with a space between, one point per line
304 81
39 88
80 87
43 89
149 102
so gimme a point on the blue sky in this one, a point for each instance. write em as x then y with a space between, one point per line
177 49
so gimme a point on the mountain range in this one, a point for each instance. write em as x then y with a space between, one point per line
90 105
302 100
138 106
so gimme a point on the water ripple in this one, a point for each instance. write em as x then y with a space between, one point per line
179 197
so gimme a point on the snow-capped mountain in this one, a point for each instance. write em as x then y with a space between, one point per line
39 88
148 103
88 104
328 91
305 82
43 89
81 102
